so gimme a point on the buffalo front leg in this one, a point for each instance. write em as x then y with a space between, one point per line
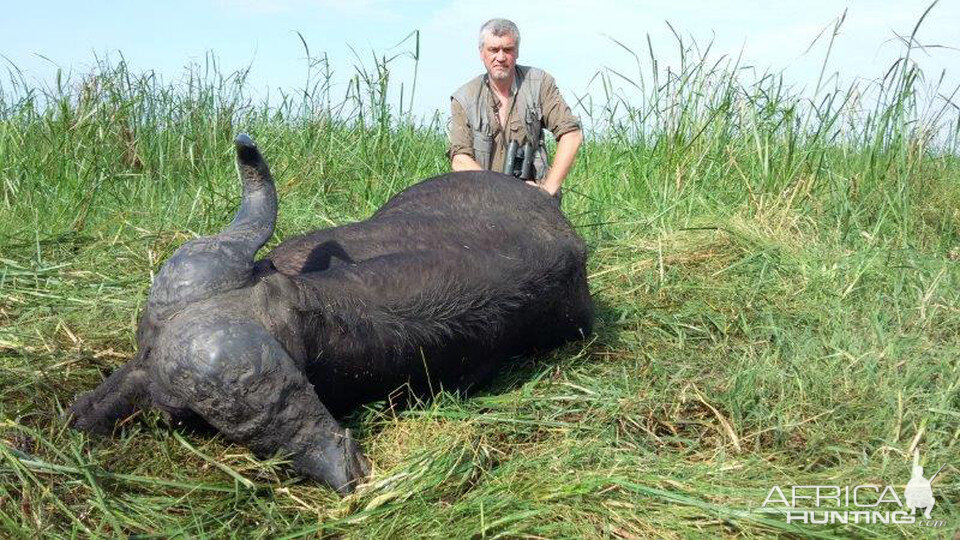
237 377
117 397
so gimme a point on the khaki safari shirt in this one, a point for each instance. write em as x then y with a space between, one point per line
557 118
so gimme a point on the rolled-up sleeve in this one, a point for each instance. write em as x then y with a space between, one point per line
557 116
461 138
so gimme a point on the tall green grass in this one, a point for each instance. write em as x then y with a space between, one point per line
776 275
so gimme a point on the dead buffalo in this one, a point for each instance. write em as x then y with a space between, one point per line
444 283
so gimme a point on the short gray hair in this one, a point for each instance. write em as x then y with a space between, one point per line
500 27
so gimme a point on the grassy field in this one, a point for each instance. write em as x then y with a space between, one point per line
777 280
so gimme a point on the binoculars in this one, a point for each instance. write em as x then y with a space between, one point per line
518 161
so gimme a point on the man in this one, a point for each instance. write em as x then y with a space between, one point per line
511 103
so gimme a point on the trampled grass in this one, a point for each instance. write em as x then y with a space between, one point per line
776 277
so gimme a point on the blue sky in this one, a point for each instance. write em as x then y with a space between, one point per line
571 39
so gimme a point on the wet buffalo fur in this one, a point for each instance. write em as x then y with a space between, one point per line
447 281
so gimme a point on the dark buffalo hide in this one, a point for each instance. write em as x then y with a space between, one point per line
447 281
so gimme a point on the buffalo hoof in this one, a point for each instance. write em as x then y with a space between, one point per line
119 396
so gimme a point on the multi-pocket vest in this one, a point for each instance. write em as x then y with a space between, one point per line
473 98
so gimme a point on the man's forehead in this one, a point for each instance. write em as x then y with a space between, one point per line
505 41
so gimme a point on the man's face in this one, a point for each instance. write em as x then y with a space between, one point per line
499 54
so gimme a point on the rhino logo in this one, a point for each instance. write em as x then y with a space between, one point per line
919 492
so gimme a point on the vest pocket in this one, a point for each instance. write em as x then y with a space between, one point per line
482 148
534 125
534 119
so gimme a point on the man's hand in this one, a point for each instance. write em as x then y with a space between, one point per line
541 186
